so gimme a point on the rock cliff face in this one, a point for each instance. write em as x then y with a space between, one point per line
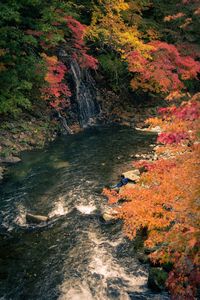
85 95
124 110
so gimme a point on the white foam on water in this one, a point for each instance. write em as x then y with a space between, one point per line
86 209
93 237
101 270
21 216
103 263
59 208
79 292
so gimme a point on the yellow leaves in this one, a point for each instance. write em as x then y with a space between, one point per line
117 6
2 52
108 26
187 22
2 67
192 242
174 17
154 122
174 95
153 34
51 60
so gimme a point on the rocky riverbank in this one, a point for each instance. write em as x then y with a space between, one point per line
26 134
124 111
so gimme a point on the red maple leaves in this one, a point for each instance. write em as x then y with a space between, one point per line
172 137
164 71
79 49
57 92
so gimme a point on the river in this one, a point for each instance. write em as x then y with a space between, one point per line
75 256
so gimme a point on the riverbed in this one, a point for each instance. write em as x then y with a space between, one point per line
76 255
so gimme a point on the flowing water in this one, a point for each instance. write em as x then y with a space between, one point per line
75 256
85 90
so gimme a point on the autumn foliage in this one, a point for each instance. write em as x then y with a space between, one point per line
57 92
79 52
166 199
164 71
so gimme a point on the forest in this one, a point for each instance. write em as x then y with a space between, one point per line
144 49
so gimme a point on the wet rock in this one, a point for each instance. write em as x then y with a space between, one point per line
36 219
1 173
119 157
31 142
132 175
150 250
156 147
7 143
139 128
157 278
109 215
155 157
143 258
10 159
60 164
125 123
156 129
128 185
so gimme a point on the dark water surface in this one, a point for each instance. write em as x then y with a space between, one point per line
75 256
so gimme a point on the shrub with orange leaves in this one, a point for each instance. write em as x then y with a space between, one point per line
166 200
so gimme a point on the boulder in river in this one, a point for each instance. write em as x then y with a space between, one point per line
109 215
132 175
1 172
36 219
10 159
60 164
156 129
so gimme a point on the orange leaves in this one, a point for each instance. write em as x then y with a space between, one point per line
166 199
51 60
192 242
112 195
174 17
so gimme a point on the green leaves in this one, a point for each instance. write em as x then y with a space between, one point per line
9 12
114 69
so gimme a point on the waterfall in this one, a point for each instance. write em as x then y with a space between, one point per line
88 107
